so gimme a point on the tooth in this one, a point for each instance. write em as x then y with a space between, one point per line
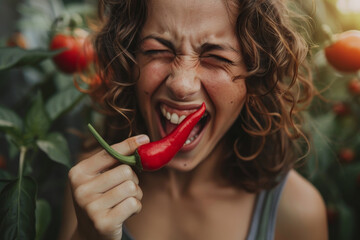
181 119
188 141
168 115
174 118
163 111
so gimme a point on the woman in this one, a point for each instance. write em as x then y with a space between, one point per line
234 178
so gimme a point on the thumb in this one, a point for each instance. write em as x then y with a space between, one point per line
129 145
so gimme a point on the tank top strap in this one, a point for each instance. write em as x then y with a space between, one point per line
126 235
264 217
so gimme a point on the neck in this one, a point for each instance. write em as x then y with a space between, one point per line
178 184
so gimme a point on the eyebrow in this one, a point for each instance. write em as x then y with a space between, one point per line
207 47
161 40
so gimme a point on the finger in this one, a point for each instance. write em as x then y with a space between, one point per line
102 160
110 222
115 196
94 188
113 177
129 146
125 209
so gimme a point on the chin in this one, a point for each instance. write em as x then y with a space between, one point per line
182 165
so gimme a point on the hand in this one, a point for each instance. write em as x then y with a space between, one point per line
105 193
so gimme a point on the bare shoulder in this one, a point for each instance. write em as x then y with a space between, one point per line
301 213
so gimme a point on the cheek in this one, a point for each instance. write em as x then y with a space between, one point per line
151 75
224 91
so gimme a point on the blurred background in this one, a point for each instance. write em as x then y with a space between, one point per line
31 91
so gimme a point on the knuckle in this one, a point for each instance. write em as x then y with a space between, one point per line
133 203
72 174
80 192
132 144
140 194
127 171
92 209
131 187
102 224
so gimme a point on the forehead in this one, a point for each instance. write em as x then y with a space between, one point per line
189 18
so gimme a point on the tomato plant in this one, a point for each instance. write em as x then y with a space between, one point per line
344 53
2 162
17 39
346 155
354 86
341 109
332 214
79 53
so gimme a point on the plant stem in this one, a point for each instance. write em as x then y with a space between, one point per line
130 160
329 34
23 150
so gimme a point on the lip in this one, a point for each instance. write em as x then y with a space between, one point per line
181 107
193 144
188 107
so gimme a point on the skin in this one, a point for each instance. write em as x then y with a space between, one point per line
191 71
182 63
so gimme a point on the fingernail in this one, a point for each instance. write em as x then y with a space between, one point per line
142 139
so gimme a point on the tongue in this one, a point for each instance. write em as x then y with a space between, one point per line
169 127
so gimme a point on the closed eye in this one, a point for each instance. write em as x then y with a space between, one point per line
218 58
157 52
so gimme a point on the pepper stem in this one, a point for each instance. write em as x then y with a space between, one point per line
130 160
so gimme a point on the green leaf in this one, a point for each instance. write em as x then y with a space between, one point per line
5 175
81 8
346 224
43 218
348 183
4 180
37 121
56 148
11 57
10 121
62 102
17 209
322 153
13 146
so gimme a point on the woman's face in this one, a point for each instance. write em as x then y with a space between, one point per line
188 55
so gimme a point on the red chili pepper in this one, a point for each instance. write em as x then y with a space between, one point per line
154 155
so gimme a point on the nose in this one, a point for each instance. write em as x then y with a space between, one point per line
183 82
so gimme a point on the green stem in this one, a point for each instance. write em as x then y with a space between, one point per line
23 150
329 34
130 160
22 160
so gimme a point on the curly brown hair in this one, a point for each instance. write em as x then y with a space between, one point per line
278 82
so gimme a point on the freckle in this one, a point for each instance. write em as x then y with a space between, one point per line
185 164
147 93
232 102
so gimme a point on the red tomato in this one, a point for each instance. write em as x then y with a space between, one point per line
79 53
354 86
332 214
16 39
346 155
341 109
2 162
344 53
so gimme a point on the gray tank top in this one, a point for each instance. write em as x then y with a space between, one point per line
264 216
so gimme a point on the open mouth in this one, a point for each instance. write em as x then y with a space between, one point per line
170 118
